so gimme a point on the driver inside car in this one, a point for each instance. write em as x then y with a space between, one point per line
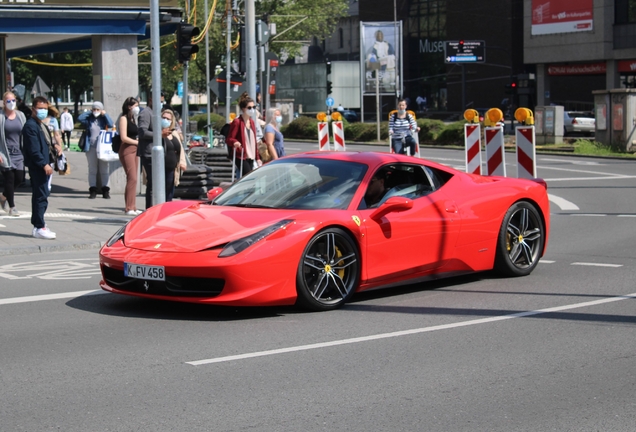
375 191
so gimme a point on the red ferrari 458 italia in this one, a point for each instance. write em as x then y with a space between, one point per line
314 228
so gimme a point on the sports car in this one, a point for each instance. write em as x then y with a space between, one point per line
312 229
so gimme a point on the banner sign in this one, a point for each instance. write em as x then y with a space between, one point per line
561 16
627 65
381 56
578 69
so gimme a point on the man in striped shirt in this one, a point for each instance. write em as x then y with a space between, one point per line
401 124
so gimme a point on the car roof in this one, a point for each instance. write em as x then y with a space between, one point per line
370 158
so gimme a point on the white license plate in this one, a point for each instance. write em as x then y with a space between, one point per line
138 271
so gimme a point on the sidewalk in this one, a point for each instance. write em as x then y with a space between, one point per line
79 222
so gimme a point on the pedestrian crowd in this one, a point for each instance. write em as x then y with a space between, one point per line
33 140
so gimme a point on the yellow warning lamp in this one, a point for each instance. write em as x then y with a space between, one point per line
524 116
232 116
492 117
471 116
336 116
321 117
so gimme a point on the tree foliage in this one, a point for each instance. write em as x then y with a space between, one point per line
297 22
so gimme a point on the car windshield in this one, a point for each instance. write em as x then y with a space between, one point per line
297 183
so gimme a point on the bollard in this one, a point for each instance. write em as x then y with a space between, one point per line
472 142
495 155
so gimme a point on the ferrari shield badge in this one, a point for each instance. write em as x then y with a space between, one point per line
356 219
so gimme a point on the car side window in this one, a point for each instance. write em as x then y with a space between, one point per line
402 180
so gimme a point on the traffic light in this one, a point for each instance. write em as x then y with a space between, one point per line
511 88
185 47
329 87
328 68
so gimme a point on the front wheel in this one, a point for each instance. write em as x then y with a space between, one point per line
329 271
520 240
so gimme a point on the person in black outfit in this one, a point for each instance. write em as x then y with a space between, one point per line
144 148
173 151
39 158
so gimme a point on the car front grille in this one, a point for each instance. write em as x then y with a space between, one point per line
174 286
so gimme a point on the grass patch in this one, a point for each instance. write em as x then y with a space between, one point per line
595 148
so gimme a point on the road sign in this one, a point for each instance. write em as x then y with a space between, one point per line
217 85
180 89
465 51
329 102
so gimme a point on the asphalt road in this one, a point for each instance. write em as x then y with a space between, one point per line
553 351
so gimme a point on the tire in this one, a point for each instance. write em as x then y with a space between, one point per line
328 272
520 241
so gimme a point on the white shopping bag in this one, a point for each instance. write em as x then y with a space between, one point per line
105 147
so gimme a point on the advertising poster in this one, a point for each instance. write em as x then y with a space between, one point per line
381 54
561 16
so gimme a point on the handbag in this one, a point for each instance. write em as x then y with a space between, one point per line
63 167
105 147
116 142
82 142
263 151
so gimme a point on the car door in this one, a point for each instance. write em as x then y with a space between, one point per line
404 244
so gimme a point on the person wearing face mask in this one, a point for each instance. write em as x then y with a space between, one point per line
96 121
11 160
128 131
401 125
242 136
38 158
273 136
174 161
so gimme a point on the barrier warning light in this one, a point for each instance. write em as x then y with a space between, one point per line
471 116
493 116
321 117
524 116
336 116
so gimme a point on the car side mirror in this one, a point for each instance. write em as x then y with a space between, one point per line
213 193
393 204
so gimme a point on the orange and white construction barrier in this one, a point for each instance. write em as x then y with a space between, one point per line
472 141
526 149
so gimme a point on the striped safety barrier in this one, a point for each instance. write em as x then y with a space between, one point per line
472 140
337 129
323 136
526 152
495 157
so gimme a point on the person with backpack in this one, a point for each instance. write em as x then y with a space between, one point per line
401 124
242 137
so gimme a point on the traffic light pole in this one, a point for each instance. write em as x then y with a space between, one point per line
184 104
228 63
250 40
158 160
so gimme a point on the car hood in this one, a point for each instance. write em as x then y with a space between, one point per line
169 228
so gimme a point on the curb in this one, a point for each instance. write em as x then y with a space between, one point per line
54 247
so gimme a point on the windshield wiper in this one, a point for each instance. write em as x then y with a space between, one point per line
251 206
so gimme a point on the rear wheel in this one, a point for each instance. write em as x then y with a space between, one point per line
520 240
329 271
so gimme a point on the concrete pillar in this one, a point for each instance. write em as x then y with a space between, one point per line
543 85
4 85
115 78
612 76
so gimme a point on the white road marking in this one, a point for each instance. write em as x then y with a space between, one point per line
26 215
626 215
588 214
2 226
573 162
52 269
542 261
29 299
406 332
596 264
562 203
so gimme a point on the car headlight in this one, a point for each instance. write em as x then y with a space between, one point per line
118 235
236 246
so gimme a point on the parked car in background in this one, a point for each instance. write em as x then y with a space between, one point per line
578 122
350 116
